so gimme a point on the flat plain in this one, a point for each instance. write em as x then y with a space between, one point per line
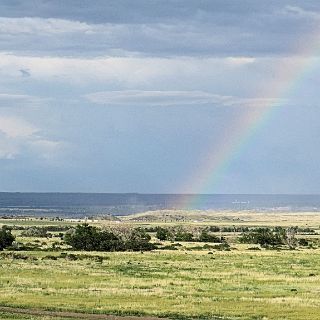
194 281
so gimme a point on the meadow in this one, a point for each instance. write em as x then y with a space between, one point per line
195 281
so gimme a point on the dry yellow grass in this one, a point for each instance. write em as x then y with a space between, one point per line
226 218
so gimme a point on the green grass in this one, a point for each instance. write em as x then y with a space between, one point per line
186 283
27 222
237 284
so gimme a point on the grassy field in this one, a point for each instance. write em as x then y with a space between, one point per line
237 284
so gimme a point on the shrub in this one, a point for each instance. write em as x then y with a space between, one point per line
214 229
163 234
183 236
222 247
139 240
108 241
50 258
89 238
13 255
206 237
37 232
263 236
83 237
6 238
303 242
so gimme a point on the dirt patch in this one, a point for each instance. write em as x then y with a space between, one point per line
72 315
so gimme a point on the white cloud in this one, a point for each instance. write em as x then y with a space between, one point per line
20 100
25 33
8 150
18 136
156 98
47 149
9 97
85 70
119 70
13 127
173 98
200 33
300 12
35 25
255 102
239 61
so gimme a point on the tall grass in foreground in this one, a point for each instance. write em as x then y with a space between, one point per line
237 284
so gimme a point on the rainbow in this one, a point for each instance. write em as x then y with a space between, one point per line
289 74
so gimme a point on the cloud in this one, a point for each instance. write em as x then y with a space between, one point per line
126 71
7 97
18 137
8 151
155 98
83 70
299 12
33 34
36 26
239 61
211 31
224 56
16 128
12 100
121 11
47 149
174 98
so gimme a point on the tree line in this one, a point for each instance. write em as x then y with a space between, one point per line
90 238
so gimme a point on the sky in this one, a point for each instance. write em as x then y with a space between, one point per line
140 96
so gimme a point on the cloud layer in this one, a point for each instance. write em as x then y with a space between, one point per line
209 28
133 96
138 98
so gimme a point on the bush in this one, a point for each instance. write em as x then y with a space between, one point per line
214 229
139 241
169 247
222 247
50 258
303 242
183 236
108 241
37 232
163 234
89 238
83 237
6 238
206 237
264 236
180 234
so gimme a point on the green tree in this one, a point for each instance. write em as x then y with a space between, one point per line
183 236
206 237
6 238
139 240
83 237
108 241
89 238
163 234
264 236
